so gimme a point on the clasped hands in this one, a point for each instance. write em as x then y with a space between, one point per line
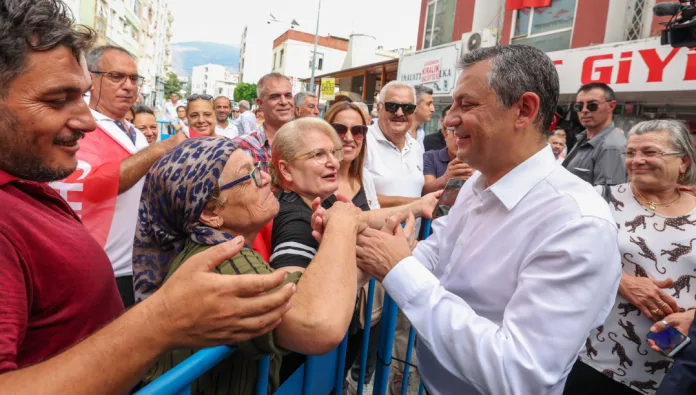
378 251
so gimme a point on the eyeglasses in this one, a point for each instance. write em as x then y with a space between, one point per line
648 154
119 78
321 155
394 107
591 106
199 97
358 131
255 176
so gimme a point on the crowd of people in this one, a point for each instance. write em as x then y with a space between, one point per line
261 230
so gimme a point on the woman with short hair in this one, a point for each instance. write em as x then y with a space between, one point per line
656 230
200 113
146 122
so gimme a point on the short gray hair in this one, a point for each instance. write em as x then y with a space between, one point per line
245 104
422 90
300 98
397 85
681 141
261 85
95 55
516 70
224 97
363 106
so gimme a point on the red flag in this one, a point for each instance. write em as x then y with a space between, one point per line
554 123
92 189
520 4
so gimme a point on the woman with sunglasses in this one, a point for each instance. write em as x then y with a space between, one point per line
206 191
200 112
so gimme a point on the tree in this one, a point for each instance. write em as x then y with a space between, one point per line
245 92
172 85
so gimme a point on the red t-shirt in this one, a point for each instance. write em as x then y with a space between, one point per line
56 283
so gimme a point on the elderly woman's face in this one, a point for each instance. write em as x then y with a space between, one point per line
246 207
201 117
352 143
307 175
657 171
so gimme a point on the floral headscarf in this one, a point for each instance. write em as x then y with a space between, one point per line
177 189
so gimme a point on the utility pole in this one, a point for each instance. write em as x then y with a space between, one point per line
314 56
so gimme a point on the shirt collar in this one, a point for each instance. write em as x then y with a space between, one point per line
6 178
443 155
261 134
516 184
379 135
600 136
99 117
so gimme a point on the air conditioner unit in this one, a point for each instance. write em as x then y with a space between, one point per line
475 40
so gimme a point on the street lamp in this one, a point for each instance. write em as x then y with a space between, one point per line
314 55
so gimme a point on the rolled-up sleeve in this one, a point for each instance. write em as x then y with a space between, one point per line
563 291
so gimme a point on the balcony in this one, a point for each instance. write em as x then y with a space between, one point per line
132 18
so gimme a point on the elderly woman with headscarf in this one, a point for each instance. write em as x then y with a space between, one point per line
208 190
656 223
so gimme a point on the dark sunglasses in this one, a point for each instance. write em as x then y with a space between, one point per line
591 106
358 131
394 107
197 97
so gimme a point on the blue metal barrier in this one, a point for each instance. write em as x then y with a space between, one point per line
161 125
319 375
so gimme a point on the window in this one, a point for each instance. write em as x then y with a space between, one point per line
280 63
635 14
547 28
274 60
320 60
439 22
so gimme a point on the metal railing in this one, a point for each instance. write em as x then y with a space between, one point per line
319 374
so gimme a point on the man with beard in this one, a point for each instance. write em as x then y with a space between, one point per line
596 158
224 127
113 161
395 161
63 329
275 99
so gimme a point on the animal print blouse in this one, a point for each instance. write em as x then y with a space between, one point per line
651 246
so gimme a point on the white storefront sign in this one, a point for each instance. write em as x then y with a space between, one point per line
635 66
435 68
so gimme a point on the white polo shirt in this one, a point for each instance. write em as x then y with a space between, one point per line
395 172
230 131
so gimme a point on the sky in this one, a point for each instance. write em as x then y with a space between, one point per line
393 22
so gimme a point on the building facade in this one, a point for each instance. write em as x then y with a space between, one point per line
214 80
611 41
142 27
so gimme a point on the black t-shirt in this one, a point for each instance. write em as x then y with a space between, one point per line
292 243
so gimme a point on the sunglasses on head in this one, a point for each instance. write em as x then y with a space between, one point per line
392 107
591 106
358 131
197 97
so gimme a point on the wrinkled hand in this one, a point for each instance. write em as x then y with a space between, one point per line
647 295
346 214
198 308
319 213
679 321
428 203
458 169
378 251
409 229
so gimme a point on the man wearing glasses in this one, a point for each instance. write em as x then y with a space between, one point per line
596 158
112 162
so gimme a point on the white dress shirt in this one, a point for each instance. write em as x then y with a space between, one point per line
247 121
508 287
230 131
170 111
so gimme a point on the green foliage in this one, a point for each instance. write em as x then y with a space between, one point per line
172 85
245 92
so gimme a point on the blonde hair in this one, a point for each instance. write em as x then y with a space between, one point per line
288 143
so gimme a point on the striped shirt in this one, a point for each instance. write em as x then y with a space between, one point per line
236 374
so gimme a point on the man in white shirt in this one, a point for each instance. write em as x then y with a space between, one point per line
170 109
223 109
117 145
395 161
247 119
508 287
558 144
424 112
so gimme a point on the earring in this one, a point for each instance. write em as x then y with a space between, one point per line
681 177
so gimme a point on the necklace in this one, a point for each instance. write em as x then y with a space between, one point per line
654 205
